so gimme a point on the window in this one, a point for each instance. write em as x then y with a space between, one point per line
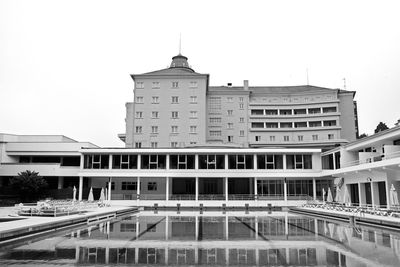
215 120
174 144
271 125
129 186
154 114
241 106
154 144
139 85
240 162
315 137
271 188
174 129
300 111
272 138
258 138
96 161
230 138
241 133
314 110
139 99
241 99
286 138
257 125
193 99
215 133
241 120
139 114
298 162
152 186
257 112
175 85
286 125
193 129
193 114
174 114
230 99
331 136
330 123
138 144
155 100
314 124
300 138
270 161
174 100
193 84
156 85
138 129
211 162
300 124
214 104
270 112
154 129
329 109
153 161
182 161
285 112
230 125
230 112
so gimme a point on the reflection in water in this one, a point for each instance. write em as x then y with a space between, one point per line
260 239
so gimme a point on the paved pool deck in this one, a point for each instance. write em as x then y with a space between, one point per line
351 217
26 225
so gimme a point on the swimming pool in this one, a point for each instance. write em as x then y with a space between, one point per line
212 238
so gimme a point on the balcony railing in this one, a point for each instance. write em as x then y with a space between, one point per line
212 197
382 157
241 197
182 197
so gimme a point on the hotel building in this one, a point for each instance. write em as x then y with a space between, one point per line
176 107
191 144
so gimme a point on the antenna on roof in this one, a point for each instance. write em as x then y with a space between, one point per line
180 41
344 83
307 76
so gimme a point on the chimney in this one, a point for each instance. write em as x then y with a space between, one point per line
246 85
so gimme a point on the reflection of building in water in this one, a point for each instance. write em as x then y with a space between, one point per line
245 239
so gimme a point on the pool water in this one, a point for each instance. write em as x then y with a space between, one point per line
212 238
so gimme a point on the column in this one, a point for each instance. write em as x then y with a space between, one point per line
138 192
109 161
285 191
314 188
284 161
316 228
82 162
167 188
60 182
387 185
139 162
196 161
226 227
359 195
286 225
197 189
226 161
109 188
166 227
256 226
255 191
167 162
196 227
80 188
107 254
226 189
372 194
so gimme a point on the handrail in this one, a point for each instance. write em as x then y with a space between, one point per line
384 156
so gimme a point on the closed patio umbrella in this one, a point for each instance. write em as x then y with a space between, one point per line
346 197
102 198
337 197
393 196
329 198
106 194
74 194
90 197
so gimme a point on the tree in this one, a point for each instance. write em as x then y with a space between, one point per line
29 185
381 127
362 135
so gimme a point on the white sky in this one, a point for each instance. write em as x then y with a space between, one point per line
65 65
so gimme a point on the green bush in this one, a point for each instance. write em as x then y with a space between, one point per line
29 185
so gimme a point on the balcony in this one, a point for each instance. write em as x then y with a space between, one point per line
44 169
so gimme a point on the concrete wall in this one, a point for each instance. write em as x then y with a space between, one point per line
347 116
